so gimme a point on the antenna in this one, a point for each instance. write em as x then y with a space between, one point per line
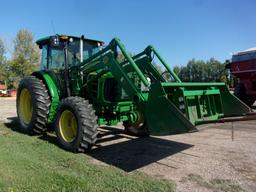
53 28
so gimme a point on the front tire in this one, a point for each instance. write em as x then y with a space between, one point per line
76 125
33 103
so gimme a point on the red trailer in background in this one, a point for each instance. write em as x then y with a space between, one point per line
3 90
12 93
243 67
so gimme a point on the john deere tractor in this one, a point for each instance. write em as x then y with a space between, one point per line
83 84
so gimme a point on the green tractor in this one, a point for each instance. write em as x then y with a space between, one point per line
83 84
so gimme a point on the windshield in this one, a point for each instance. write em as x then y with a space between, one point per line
89 48
53 57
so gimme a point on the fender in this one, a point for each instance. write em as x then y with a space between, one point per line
53 91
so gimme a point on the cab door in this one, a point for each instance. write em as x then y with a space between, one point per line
52 62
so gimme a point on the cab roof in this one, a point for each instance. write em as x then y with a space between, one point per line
46 40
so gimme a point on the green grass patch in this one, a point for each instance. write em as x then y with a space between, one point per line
216 185
32 164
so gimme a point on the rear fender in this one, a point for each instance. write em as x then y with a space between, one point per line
53 92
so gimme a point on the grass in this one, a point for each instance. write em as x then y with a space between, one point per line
32 164
216 185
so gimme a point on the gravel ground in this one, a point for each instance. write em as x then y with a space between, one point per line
7 107
208 160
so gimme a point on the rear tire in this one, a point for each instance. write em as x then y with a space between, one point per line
32 103
240 92
76 125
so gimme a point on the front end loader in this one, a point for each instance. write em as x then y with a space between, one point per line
83 84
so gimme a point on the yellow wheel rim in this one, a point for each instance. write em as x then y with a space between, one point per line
68 126
25 106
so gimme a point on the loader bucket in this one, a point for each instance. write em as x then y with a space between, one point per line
174 108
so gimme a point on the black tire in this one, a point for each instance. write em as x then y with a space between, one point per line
138 131
85 135
39 102
240 92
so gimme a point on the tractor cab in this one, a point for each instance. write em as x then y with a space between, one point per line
60 53
77 49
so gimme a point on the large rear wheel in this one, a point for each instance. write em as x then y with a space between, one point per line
33 102
76 124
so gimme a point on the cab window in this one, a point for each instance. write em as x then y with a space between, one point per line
56 59
89 49
44 57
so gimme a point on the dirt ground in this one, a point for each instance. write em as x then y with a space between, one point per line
7 107
208 160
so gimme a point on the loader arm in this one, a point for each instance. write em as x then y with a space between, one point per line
167 107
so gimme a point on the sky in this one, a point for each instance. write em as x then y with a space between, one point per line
179 29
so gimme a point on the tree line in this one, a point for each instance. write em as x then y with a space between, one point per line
211 70
21 61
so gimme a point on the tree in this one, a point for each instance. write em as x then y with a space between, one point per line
216 71
176 70
203 71
3 63
2 51
25 58
5 69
